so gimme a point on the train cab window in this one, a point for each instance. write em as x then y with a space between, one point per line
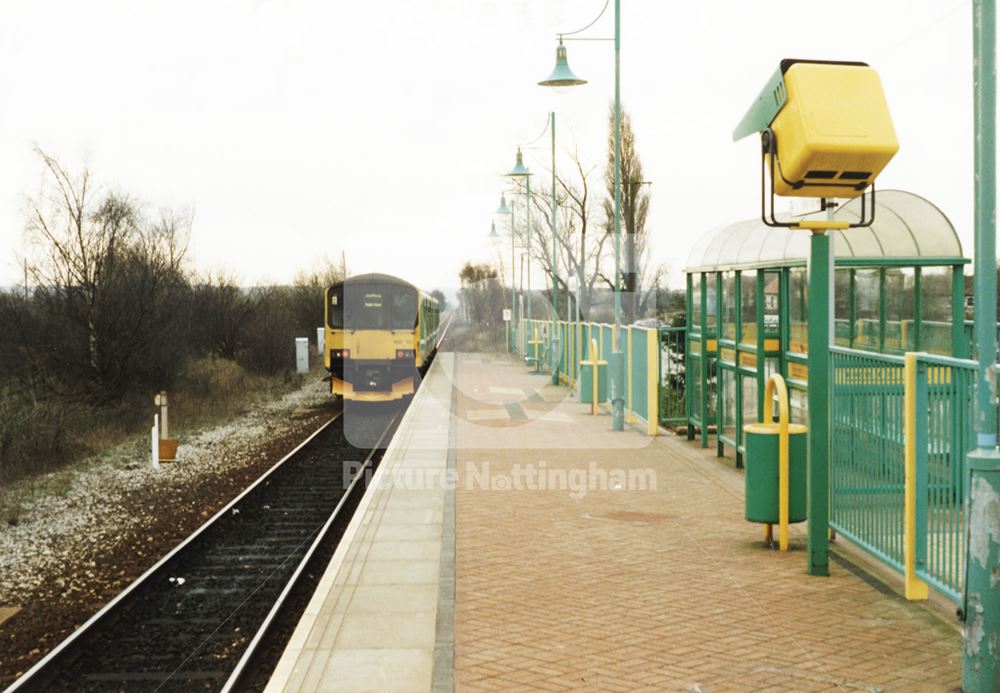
404 308
366 307
335 307
372 306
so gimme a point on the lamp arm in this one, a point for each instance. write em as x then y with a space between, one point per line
525 145
594 21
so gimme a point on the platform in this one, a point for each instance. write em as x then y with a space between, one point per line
577 558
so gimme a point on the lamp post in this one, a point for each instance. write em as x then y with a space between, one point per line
520 172
495 238
555 263
503 209
573 286
562 76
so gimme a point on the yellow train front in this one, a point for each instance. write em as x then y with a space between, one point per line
380 331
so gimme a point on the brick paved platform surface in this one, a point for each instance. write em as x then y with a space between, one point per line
665 589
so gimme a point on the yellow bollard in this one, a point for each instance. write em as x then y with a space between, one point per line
777 382
593 363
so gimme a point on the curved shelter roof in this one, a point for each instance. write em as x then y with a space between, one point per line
907 228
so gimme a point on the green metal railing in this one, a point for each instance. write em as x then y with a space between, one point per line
642 352
944 435
970 335
866 462
673 402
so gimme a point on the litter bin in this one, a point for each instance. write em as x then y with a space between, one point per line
587 381
761 477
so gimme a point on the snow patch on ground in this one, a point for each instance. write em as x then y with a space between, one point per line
98 508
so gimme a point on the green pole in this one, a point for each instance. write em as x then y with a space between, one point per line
617 361
527 214
555 269
818 474
513 285
981 608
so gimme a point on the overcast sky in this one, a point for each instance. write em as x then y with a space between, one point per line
296 129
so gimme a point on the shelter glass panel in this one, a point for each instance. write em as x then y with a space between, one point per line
866 309
729 305
798 403
935 309
935 294
729 403
798 310
749 398
842 308
711 303
772 297
696 302
748 306
900 303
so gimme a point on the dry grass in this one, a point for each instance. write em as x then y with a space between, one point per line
43 447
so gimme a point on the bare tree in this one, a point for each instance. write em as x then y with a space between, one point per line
307 292
636 273
481 296
108 282
581 243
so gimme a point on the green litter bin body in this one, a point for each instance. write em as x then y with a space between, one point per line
534 351
761 478
587 382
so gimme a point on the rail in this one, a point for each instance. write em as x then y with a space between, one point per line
252 649
214 536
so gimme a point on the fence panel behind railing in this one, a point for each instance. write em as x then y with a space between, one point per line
866 464
672 376
638 369
606 342
944 435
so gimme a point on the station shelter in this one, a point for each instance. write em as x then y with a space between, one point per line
899 288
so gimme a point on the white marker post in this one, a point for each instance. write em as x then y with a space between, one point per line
161 401
302 354
156 441
506 322
320 340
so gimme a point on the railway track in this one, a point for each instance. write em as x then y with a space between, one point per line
200 618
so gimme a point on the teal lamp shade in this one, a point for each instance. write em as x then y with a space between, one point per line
561 75
519 169
493 229
503 208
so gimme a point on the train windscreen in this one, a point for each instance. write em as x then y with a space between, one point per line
373 307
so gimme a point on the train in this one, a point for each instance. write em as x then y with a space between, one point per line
380 332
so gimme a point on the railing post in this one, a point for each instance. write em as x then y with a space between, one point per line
914 516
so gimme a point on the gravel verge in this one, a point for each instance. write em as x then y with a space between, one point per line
71 552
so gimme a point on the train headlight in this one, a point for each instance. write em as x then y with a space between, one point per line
404 353
341 353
